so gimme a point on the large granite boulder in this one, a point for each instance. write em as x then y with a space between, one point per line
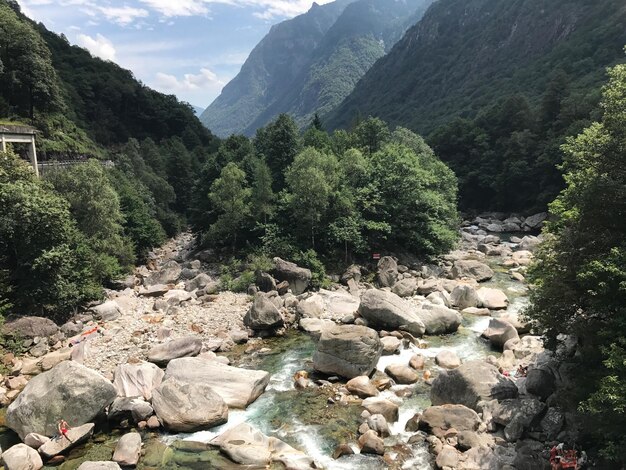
362 387
471 269
517 415
471 383
387 271
107 311
541 381
237 387
347 350
21 457
69 391
437 420
174 349
129 408
493 299
137 380
60 444
464 296
30 327
263 314
199 282
297 277
128 450
167 274
188 406
438 319
405 287
382 406
247 446
385 310
499 332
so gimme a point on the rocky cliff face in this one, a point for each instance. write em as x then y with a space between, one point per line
310 63
466 53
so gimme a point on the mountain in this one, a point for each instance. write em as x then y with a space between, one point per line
198 110
81 104
466 54
310 63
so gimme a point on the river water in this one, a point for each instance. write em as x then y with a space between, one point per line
310 420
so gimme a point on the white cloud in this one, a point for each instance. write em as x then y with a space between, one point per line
169 8
123 15
205 80
98 46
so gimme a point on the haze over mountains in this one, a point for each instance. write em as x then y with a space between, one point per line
310 63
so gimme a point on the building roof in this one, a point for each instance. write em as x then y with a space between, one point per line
6 128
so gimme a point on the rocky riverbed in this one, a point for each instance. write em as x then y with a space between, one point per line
415 370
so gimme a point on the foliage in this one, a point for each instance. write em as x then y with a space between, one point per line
44 258
580 272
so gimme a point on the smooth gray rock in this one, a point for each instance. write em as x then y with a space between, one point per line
541 381
69 391
385 310
263 314
297 277
90 465
107 311
21 457
137 380
499 332
493 299
464 296
347 350
30 327
438 319
472 269
135 408
128 450
405 287
174 349
237 387
437 420
188 407
198 282
387 271
167 274
471 383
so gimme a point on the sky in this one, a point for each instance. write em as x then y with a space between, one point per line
189 48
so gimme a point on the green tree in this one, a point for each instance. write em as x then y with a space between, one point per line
44 259
371 134
95 206
230 197
263 198
278 143
311 181
580 271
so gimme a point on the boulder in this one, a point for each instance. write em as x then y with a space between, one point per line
137 380
108 311
448 457
387 271
71 391
347 350
298 278
447 359
237 387
370 443
362 387
379 425
90 465
263 314
464 296
471 269
437 420
405 287
417 362
352 273
30 327
135 408
391 345
174 349
265 282
177 296
516 415
60 444
337 304
35 440
247 446
493 299
471 383
188 406
529 243
315 326
401 374
428 286
21 457
382 406
499 332
385 310
541 381
527 347
128 450
312 307
198 282
438 319
536 221
54 358
167 274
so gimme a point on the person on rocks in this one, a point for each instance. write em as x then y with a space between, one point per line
522 371
63 428
504 372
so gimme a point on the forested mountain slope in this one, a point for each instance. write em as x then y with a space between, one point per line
309 64
465 54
